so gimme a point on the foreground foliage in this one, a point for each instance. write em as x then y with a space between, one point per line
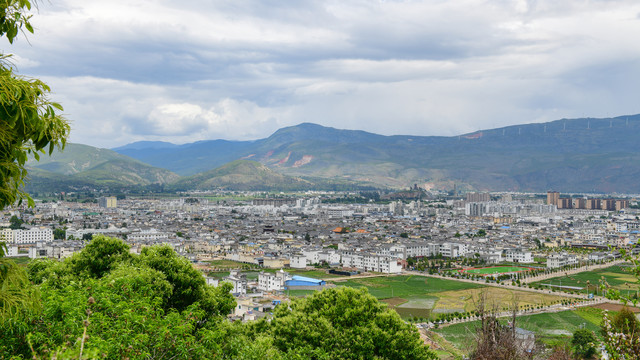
106 302
29 120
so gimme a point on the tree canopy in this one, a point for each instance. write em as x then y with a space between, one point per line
156 305
30 122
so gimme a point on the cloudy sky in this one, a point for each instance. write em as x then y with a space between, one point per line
181 71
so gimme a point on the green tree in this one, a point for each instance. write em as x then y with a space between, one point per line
100 256
15 222
16 291
59 234
29 120
584 343
344 323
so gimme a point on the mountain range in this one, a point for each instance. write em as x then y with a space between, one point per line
571 155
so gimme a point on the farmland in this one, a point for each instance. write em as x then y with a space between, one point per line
422 297
616 276
549 327
494 270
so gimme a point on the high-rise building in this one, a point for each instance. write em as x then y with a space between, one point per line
553 197
478 197
108 202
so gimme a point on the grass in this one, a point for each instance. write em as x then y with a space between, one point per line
496 270
229 264
299 293
616 276
549 327
21 260
406 286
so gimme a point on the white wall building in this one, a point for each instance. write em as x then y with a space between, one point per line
273 281
32 236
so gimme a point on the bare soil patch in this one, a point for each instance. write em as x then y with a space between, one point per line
615 307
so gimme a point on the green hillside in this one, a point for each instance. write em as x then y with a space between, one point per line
86 166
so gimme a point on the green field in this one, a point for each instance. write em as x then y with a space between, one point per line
549 327
406 286
496 270
226 264
616 276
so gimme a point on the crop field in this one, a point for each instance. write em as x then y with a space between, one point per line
616 276
419 296
496 270
549 327
498 298
225 264
406 286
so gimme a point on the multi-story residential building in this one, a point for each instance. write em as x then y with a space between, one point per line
518 256
239 282
109 202
560 260
273 281
32 236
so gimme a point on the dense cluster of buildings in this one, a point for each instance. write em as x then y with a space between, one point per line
305 232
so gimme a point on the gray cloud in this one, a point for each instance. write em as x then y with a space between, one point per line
162 70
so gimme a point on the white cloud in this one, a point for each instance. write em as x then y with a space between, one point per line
184 71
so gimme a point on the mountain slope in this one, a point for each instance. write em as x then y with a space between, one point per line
84 165
186 159
599 155
241 175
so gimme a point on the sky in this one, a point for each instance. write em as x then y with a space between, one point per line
183 71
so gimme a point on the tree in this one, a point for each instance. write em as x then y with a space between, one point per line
29 120
15 223
16 291
100 256
583 343
59 234
344 323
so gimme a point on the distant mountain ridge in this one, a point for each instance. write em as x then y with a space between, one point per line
588 155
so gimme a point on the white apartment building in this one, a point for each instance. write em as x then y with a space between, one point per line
371 262
518 256
239 282
148 235
560 260
273 281
31 236
298 261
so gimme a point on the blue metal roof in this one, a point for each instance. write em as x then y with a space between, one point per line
306 279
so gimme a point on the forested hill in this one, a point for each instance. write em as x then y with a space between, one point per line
599 155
